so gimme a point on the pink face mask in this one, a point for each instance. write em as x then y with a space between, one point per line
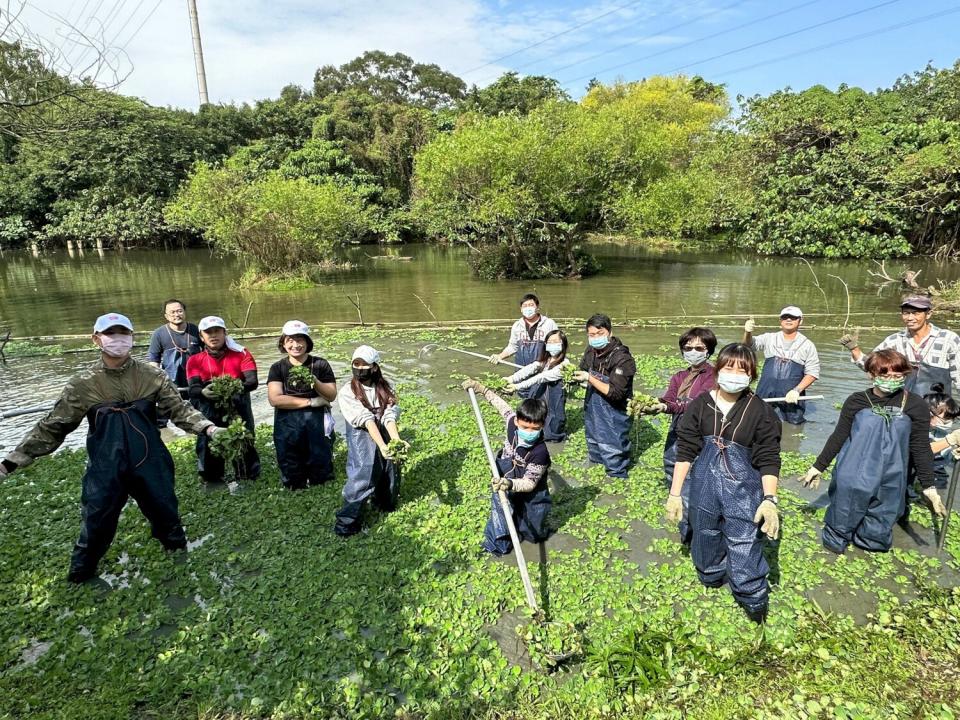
117 346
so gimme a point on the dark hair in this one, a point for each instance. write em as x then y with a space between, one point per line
530 296
546 358
738 354
940 402
881 362
283 339
385 393
705 334
171 301
601 322
532 410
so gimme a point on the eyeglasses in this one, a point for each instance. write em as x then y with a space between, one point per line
693 348
789 317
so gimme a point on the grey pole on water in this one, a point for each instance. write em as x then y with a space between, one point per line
198 52
951 496
504 506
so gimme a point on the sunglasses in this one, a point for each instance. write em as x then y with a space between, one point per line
693 348
789 317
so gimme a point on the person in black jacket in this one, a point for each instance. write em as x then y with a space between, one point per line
735 439
608 369
880 431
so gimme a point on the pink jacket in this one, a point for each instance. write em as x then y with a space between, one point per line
704 382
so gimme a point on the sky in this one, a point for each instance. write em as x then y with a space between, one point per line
253 48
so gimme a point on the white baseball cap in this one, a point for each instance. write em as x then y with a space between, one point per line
792 310
109 320
295 327
367 354
211 321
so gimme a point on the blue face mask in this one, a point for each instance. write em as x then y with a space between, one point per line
598 343
527 437
554 349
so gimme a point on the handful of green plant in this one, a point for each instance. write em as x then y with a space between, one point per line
232 443
300 379
494 382
399 450
225 389
567 372
638 403
552 643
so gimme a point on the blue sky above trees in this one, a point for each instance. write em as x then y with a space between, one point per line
254 47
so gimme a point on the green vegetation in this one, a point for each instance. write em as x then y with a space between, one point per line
231 444
226 389
385 149
300 378
271 615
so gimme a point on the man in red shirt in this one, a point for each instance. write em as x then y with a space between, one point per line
221 355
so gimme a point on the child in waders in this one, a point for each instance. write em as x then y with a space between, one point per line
302 421
368 404
543 379
880 433
735 439
523 463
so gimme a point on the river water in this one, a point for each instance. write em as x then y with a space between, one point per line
61 293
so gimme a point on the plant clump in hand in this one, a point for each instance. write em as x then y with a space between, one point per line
640 402
226 389
567 372
399 451
232 444
300 379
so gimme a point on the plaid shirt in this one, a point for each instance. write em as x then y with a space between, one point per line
941 349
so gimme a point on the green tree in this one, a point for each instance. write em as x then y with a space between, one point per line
511 93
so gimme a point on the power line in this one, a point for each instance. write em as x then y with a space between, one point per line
697 19
745 47
842 41
104 24
551 37
80 14
140 26
127 22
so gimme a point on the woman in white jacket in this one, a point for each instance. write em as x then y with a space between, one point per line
543 378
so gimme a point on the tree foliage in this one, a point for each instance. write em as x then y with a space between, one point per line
512 94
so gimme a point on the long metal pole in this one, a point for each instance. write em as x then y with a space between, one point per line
951 497
505 506
482 356
198 52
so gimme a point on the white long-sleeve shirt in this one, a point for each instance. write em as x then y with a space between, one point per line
534 373
801 351
356 414
519 333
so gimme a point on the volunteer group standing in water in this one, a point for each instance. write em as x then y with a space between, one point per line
721 457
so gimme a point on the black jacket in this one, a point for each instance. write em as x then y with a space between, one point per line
751 423
616 362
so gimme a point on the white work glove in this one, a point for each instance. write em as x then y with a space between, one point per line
319 402
214 430
933 497
749 326
502 483
953 439
208 393
654 409
811 479
769 519
581 376
494 359
793 397
851 340
510 389
674 509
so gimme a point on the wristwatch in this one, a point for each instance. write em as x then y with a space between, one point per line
772 498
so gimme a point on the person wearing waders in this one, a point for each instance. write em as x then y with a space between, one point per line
543 379
222 355
370 412
933 353
944 411
172 344
881 431
119 396
527 337
607 368
734 437
523 463
696 347
302 421
792 363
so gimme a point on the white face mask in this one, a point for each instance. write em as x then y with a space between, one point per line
117 346
732 382
694 357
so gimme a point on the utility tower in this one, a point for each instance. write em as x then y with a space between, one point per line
198 52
